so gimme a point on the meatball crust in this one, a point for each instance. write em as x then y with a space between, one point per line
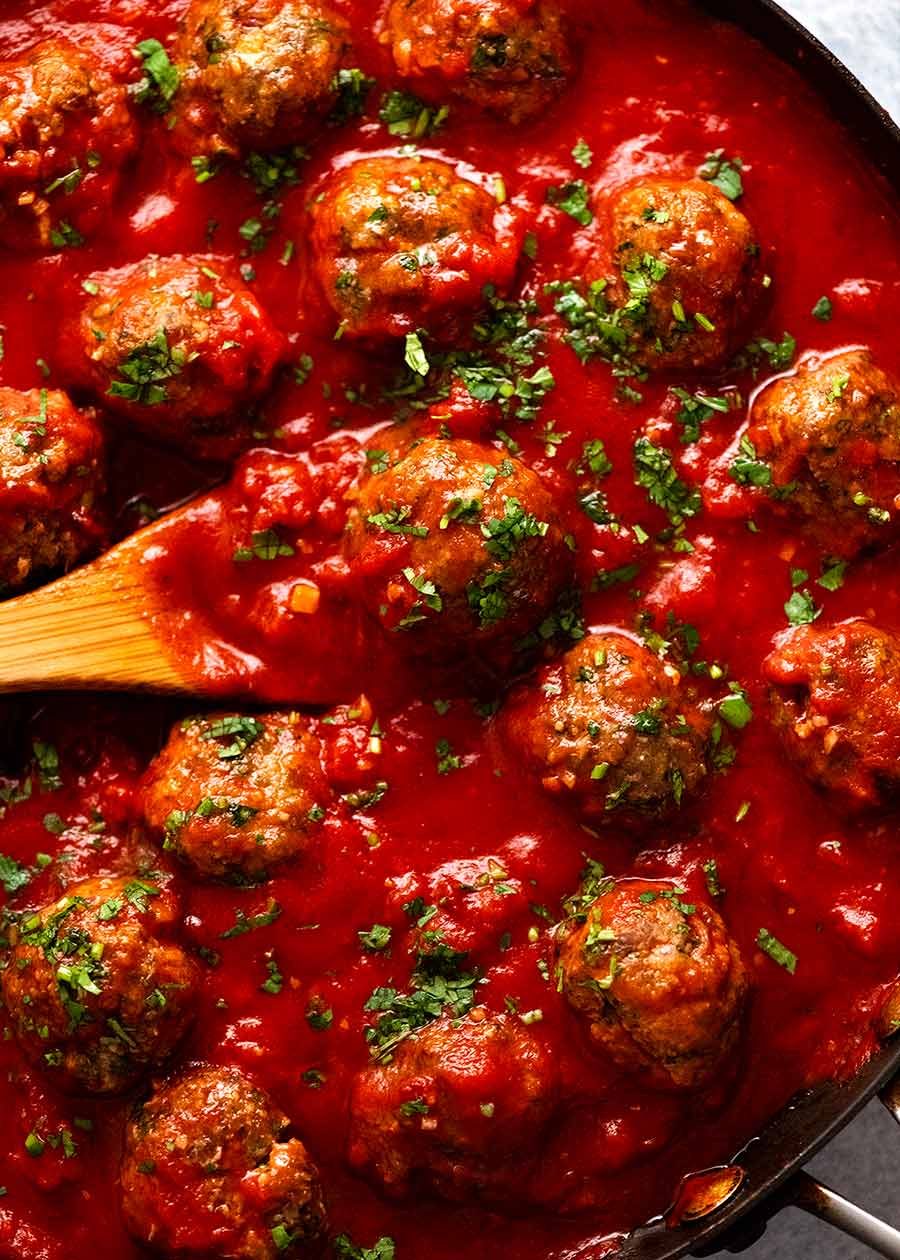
255 73
400 241
236 795
457 548
96 988
209 1169
508 56
836 702
658 979
612 726
52 464
174 346
66 129
686 271
830 433
460 1106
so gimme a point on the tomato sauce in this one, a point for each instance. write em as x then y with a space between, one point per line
661 86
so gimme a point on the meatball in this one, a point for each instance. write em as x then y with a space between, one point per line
235 795
210 1169
457 548
836 702
612 726
65 131
255 73
96 988
830 435
460 1106
173 345
686 271
509 56
400 241
658 979
51 484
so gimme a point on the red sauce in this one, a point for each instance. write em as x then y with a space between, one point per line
661 87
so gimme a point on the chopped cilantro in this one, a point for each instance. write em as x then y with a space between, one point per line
319 1017
779 953
582 154
503 535
145 369
64 236
801 609
779 353
713 883
346 1249
573 199
416 359
833 573
244 923
265 544
47 759
654 471
735 709
746 469
13 875
242 731
447 760
405 115
375 938
274 982
725 173
695 410
438 984
351 87
160 82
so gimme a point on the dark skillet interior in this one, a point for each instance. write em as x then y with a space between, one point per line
808 1124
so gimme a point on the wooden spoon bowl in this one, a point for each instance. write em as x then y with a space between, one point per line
98 627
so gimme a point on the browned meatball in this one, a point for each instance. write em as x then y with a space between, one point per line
51 484
611 726
96 989
457 548
508 56
255 73
460 1106
210 1169
836 702
65 131
401 241
658 978
829 435
174 346
235 795
686 270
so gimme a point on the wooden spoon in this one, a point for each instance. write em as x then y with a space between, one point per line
102 626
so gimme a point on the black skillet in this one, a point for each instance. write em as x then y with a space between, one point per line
770 1170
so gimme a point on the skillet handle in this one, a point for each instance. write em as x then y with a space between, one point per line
821 1201
805 1192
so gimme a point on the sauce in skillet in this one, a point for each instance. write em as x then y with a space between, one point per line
659 89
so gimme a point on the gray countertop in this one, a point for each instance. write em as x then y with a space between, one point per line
862 1162
865 34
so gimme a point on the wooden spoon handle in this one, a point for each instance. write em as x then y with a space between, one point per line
91 629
